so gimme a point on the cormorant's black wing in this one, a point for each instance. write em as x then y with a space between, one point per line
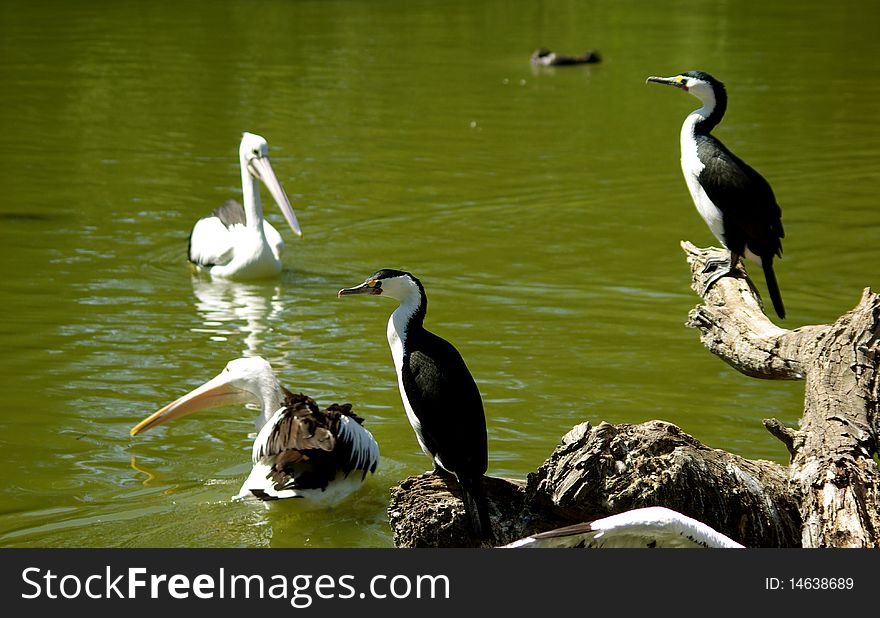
447 403
744 197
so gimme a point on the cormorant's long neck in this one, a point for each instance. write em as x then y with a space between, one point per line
253 209
703 120
410 315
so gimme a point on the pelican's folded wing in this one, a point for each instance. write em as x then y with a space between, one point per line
210 243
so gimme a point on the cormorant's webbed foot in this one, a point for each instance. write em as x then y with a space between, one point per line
438 471
722 267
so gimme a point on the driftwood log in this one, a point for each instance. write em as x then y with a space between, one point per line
833 472
826 497
607 469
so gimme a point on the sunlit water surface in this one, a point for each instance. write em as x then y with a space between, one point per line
542 210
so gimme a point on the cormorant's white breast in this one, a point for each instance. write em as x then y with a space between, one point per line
736 202
440 396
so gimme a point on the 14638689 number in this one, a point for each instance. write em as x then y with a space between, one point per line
821 583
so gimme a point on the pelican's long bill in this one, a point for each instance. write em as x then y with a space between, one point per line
213 394
261 169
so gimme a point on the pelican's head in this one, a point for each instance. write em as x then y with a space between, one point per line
395 284
254 155
243 380
253 146
700 84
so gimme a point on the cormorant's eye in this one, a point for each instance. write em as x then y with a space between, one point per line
375 283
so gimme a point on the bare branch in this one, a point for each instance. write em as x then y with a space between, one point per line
832 465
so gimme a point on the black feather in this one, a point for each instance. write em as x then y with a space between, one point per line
306 451
773 287
751 217
452 424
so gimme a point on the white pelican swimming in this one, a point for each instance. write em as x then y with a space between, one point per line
236 242
300 451
653 526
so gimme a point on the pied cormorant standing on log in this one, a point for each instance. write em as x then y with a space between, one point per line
735 201
441 399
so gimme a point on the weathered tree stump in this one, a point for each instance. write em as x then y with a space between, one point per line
598 471
828 496
832 469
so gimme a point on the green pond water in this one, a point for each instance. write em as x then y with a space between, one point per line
542 210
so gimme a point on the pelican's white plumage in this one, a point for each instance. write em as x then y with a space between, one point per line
300 450
236 242
653 526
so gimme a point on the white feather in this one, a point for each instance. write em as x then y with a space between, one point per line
364 448
396 334
337 490
653 526
273 237
210 242
691 166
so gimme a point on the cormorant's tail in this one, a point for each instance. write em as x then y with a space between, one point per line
475 507
772 286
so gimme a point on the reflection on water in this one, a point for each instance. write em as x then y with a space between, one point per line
233 308
143 470
542 209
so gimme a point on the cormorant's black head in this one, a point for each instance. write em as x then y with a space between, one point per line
706 88
396 284
698 83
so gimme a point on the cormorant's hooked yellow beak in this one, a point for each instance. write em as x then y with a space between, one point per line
679 81
372 286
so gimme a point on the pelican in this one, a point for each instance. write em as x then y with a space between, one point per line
300 450
653 526
236 242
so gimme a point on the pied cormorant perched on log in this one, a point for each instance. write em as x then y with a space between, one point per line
441 399
653 526
735 201
300 450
